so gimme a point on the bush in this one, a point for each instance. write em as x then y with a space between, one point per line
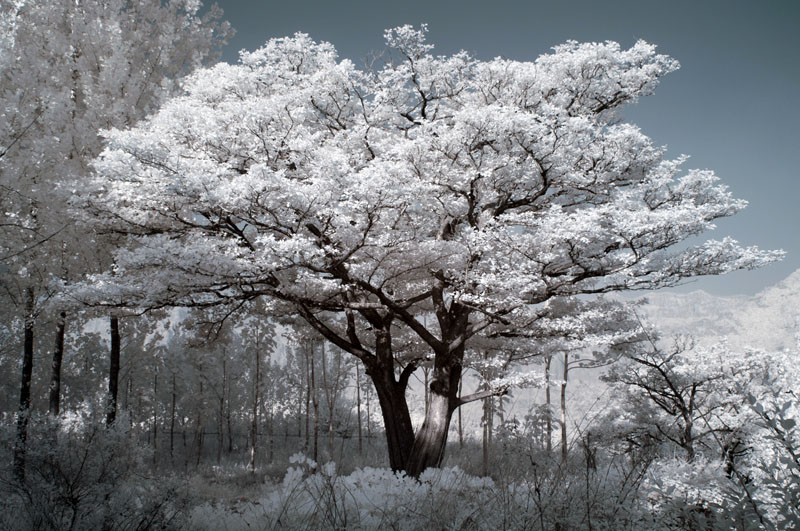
82 475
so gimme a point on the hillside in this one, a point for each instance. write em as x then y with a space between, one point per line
768 319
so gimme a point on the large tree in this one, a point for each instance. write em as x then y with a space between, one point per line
410 208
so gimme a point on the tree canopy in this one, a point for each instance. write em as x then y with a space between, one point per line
482 193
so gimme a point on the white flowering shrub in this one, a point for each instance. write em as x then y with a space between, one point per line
369 498
545 496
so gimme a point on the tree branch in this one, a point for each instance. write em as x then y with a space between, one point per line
486 393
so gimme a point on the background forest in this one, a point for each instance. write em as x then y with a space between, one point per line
298 293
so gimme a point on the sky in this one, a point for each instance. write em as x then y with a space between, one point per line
733 106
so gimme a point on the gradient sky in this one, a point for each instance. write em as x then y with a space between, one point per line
733 106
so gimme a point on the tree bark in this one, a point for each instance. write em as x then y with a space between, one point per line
460 419
392 400
331 389
315 403
309 359
396 417
55 374
564 409
172 420
155 416
113 372
228 420
20 445
548 403
485 446
358 406
271 434
431 439
199 429
221 414
254 417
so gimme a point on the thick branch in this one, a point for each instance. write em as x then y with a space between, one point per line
333 337
486 393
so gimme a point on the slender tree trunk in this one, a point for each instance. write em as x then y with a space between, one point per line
254 417
55 375
20 445
271 434
299 413
358 406
460 420
485 446
564 408
198 435
228 418
331 394
548 403
221 419
113 371
491 421
369 415
688 439
308 358
172 419
155 416
128 408
315 402
326 389
426 372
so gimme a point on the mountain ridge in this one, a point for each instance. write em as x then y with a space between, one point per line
768 319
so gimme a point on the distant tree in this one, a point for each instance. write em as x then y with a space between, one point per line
476 192
688 395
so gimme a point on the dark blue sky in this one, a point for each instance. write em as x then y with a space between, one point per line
733 106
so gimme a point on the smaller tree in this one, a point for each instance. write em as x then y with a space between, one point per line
689 394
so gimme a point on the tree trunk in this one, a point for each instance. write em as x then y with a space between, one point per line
548 403
426 372
358 407
392 400
113 371
198 434
331 389
315 402
687 439
431 439
128 404
271 434
308 358
460 419
254 417
327 390
485 446
564 409
221 417
228 419
55 374
396 418
25 389
369 415
155 416
172 420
